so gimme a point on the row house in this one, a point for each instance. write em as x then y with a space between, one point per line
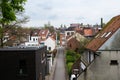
69 32
41 38
99 62
33 39
87 31
13 37
50 43
43 35
46 37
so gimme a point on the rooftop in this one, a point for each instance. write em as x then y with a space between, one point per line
108 30
20 49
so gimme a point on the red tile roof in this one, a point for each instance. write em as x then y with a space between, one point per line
44 34
88 31
112 26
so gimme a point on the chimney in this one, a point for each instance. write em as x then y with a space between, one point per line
101 22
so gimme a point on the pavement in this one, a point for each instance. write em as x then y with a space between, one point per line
60 65
58 69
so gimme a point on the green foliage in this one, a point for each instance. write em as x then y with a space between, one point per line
8 13
9 9
77 56
69 67
70 52
1 32
71 57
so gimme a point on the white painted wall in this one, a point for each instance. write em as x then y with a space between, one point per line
33 41
31 44
70 33
49 42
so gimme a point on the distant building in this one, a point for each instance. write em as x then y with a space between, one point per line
50 43
88 32
23 63
33 41
74 42
69 32
75 25
43 34
62 39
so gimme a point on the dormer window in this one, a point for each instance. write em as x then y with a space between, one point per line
106 34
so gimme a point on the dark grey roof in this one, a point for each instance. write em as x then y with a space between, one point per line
21 49
70 29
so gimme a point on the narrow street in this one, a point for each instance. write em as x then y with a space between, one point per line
60 66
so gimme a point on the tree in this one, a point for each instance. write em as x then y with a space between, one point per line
9 10
49 27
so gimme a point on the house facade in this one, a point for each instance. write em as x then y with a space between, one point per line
50 43
75 41
23 63
62 39
99 62
105 66
33 41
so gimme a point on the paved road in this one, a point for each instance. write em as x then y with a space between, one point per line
60 66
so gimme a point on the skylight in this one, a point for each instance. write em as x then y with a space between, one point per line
97 36
103 34
108 34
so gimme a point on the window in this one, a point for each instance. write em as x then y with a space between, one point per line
42 44
113 62
22 67
49 48
68 33
72 33
33 39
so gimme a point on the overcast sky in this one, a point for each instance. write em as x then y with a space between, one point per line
59 12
